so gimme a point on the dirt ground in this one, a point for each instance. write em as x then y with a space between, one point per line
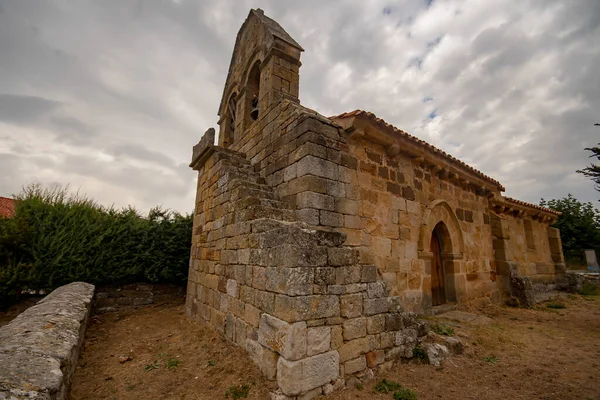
540 353
171 358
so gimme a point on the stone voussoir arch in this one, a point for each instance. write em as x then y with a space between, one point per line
440 211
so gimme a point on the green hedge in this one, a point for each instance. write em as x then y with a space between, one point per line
56 238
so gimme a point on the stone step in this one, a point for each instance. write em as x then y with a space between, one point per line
246 202
260 211
254 184
226 154
242 192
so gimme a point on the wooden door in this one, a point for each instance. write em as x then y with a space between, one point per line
438 292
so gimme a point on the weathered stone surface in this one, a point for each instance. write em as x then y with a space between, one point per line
356 365
325 276
375 324
436 353
318 340
337 256
355 328
290 281
375 306
40 347
304 308
337 337
282 337
232 288
522 289
351 305
311 394
354 348
295 377
375 358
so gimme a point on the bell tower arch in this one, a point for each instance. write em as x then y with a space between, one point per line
264 69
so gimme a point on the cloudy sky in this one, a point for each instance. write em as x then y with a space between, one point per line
109 96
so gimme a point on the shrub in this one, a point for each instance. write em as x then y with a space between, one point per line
56 238
405 394
589 289
442 329
237 392
385 386
491 359
420 354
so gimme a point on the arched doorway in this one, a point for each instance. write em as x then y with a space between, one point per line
441 246
438 289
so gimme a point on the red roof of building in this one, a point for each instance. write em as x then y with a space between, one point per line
531 205
7 207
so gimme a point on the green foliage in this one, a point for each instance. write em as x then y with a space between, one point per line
173 363
152 366
443 329
237 392
359 386
589 289
211 363
420 354
405 394
579 225
399 393
385 386
491 359
555 305
593 170
57 238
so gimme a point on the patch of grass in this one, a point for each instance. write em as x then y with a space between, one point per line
237 392
385 386
173 363
442 329
405 394
555 305
494 337
589 289
420 354
154 365
491 359
359 386
211 363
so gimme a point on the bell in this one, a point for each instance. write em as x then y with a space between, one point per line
254 112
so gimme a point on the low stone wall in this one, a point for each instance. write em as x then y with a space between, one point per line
117 297
40 347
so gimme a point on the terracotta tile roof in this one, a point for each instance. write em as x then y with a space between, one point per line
531 205
7 207
419 142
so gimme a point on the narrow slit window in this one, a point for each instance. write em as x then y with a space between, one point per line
529 234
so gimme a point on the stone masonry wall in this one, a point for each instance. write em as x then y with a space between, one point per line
303 305
40 347
384 213
526 268
311 239
117 297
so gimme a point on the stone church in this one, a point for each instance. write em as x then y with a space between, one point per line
317 239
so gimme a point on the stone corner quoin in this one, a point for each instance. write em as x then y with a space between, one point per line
316 240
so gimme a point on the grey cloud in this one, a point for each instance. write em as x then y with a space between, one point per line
24 109
138 151
40 112
140 81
